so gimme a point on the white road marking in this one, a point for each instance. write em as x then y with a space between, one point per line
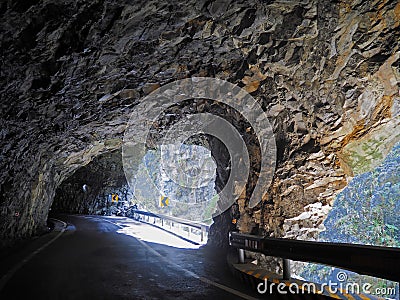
188 272
12 271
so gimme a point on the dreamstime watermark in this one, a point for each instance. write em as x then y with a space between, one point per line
341 285
151 109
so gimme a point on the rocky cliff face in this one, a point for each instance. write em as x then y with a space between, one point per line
325 72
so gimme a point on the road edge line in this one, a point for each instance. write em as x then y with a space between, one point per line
188 272
6 277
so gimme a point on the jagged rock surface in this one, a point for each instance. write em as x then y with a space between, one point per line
325 72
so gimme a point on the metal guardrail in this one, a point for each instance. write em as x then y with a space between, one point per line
382 262
202 228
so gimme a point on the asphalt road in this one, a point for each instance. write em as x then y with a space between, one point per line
117 258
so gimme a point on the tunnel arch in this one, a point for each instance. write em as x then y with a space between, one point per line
82 161
323 102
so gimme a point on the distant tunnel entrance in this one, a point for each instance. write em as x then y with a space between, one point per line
90 188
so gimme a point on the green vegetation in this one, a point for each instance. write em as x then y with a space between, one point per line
210 209
365 212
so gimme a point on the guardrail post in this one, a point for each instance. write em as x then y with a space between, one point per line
241 256
286 269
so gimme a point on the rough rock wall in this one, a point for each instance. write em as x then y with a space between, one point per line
72 71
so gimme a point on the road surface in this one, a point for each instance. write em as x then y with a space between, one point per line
118 258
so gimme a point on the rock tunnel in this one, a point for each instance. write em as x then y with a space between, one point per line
325 73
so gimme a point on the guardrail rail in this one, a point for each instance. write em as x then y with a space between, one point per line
195 232
382 262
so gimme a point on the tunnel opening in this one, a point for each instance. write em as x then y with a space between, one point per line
183 195
92 188
225 217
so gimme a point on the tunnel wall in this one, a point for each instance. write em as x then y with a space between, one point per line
102 177
326 73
